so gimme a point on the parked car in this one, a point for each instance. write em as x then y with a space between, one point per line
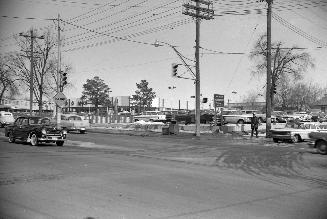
153 116
73 122
189 117
295 132
318 140
34 129
6 118
235 117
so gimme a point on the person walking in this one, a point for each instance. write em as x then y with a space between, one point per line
254 125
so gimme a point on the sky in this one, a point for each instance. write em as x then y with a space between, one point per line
115 41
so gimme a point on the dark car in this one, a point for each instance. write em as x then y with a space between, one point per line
188 118
318 140
34 129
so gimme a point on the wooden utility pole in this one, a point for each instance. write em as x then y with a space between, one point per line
268 91
31 57
199 13
58 109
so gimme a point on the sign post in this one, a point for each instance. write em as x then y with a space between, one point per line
60 100
218 100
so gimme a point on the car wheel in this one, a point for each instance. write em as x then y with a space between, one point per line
322 147
240 121
82 131
34 140
11 137
275 140
296 138
60 143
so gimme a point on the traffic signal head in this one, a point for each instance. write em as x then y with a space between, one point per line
64 79
274 88
174 67
205 100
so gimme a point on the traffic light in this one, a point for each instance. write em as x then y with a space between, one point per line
174 67
63 79
274 88
205 100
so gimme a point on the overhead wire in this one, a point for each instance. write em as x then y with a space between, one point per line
128 26
128 18
298 30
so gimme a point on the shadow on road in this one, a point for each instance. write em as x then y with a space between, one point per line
262 161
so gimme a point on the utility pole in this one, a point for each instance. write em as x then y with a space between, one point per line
58 109
269 78
204 12
31 56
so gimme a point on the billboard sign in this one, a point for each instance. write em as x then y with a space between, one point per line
218 100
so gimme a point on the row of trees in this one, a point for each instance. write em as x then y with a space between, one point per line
96 92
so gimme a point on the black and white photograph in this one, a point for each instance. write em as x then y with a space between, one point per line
163 109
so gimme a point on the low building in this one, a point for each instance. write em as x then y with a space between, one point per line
322 104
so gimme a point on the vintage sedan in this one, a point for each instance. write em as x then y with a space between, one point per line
34 129
73 122
295 132
318 140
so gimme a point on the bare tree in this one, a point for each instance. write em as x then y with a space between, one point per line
7 79
287 63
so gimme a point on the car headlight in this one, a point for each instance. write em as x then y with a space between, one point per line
44 132
64 132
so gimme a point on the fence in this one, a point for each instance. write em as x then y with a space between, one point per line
110 119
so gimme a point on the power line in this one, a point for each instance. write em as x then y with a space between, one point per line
298 30
149 31
127 26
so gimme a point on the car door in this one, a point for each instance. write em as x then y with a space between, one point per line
24 128
16 127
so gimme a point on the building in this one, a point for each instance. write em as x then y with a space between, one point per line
322 104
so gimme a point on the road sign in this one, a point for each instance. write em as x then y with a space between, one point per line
218 100
60 99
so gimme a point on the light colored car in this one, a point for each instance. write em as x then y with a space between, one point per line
295 132
6 118
72 122
151 116
241 116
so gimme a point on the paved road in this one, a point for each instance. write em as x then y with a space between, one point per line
122 176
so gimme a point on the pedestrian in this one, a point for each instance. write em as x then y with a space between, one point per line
254 125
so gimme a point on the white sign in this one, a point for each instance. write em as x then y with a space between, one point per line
60 99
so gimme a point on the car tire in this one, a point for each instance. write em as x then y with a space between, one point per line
322 147
296 139
34 140
275 140
82 131
11 138
60 143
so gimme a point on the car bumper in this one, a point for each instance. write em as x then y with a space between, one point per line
282 137
52 138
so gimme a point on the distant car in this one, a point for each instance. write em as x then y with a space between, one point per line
189 118
6 118
72 122
35 130
295 132
318 140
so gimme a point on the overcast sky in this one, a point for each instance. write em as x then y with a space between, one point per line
123 63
